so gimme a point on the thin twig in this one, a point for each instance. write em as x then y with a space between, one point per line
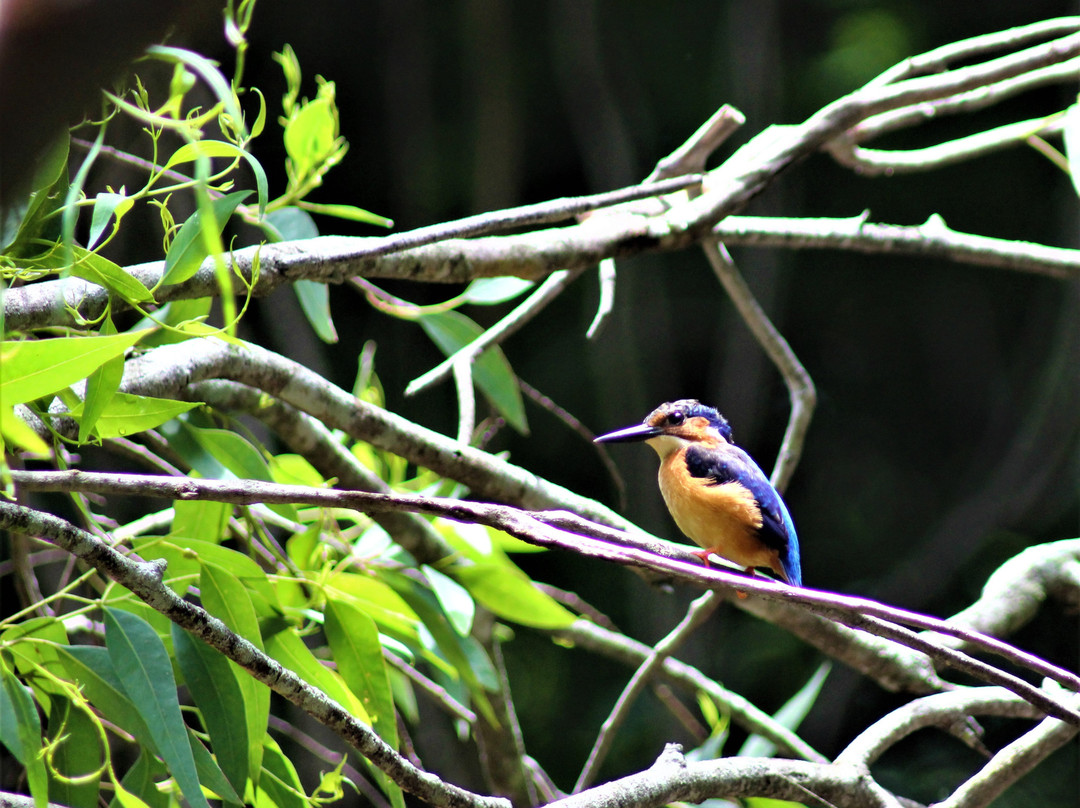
744 713
466 398
871 162
555 210
605 277
434 690
698 612
691 156
521 314
800 386
938 709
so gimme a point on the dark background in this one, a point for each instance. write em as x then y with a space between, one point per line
946 435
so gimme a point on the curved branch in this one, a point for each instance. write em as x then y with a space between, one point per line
800 386
674 779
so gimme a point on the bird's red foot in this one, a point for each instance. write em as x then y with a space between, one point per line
704 556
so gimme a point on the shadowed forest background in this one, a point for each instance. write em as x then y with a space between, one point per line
947 432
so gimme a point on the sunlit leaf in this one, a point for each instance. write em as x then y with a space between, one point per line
207 71
101 271
127 414
280 785
455 600
510 593
101 386
489 291
188 249
354 641
190 152
349 213
286 646
310 134
16 432
1071 133
107 205
31 369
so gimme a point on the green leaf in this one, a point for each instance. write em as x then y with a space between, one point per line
20 732
92 667
106 206
315 303
188 250
76 752
239 456
207 71
377 599
463 653
127 414
16 432
790 715
354 643
228 600
232 451
202 521
280 785
509 593
143 667
293 224
451 331
24 223
489 291
139 789
457 604
101 271
217 693
311 134
101 386
32 645
191 152
1071 134
286 647
30 369
350 213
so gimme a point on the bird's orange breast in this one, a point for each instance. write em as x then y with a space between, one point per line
722 518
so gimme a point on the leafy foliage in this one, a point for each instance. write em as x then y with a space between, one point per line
316 585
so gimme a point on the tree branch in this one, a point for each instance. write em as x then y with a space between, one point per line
532 527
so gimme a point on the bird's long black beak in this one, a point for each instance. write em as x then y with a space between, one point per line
631 433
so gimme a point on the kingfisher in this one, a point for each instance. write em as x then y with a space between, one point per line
716 493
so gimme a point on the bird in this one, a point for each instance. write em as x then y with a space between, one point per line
716 493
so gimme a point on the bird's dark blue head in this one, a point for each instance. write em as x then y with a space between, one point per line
686 420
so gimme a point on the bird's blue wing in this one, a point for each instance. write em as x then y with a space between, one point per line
732 464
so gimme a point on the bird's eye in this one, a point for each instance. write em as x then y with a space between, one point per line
676 418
